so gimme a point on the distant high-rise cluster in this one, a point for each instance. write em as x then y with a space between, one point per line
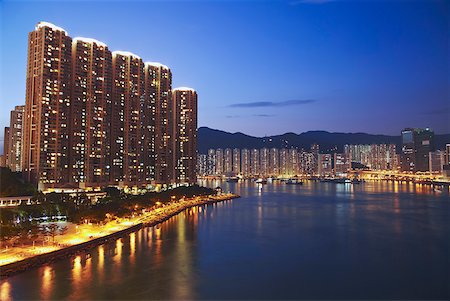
374 156
94 117
271 162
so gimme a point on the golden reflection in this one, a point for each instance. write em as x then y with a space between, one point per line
132 247
158 245
76 277
150 237
5 291
46 286
101 258
119 245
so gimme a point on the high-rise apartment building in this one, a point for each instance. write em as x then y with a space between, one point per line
211 162
254 162
274 161
264 159
219 162
245 162
90 115
6 148
236 161
228 161
325 165
158 90
94 117
45 150
185 133
128 91
15 138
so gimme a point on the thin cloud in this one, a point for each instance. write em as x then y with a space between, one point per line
264 115
285 103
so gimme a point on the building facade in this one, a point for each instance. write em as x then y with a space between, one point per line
94 117
185 133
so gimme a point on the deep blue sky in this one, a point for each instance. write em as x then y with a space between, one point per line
268 67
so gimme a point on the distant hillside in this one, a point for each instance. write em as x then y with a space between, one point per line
210 138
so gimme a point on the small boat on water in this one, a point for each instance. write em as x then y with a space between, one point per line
294 182
337 180
261 181
232 179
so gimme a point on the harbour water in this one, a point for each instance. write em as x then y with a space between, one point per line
375 240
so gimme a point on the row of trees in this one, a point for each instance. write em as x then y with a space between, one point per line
78 208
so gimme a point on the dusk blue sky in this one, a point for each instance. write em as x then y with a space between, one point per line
267 67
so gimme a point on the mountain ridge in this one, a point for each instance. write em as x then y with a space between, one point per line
209 138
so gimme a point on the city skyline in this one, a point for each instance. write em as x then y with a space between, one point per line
394 63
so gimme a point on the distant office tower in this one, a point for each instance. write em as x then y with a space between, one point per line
159 134
211 163
15 138
447 154
436 161
254 162
424 145
236 161
6 148
228 161
90 116
274 162
416 146
325 164
264 160
219 162
245 162
185 133
46 127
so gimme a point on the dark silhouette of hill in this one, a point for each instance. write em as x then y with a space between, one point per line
211 138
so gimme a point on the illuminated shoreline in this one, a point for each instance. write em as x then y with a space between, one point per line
19 259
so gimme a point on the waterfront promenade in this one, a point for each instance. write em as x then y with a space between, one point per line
79 237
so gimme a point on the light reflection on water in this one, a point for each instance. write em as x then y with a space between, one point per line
385 240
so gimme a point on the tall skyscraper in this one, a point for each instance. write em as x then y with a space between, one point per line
94 118
416 147
185 130
264 159
15 138
245 162
91 115
236 161
228 161
158 90
219 162
274 162
211 163
45 150
254 162
128 91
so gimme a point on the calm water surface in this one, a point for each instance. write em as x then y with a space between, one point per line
376 240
